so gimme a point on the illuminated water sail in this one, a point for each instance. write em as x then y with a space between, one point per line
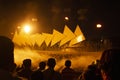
69 35
57 36
40 39
50 39
79 36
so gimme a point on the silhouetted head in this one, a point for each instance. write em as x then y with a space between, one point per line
42 65
6 52
67 63
110 63
51 62
89 75
27 63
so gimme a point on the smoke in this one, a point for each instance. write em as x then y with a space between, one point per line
79 60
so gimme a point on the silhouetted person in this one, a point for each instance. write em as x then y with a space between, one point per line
89 73
14 73
38 74
6 58
50 73
110 64
98 71
92 72
26 71
68 73
42 66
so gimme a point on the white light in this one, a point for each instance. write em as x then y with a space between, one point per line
66 18
27 28
99 25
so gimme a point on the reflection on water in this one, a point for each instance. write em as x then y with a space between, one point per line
80 60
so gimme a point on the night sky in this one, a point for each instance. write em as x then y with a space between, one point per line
50 15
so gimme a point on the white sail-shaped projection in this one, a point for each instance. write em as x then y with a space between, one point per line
48 38
57 36
79 36
68 36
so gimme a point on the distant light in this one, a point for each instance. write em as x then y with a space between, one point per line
27 28
18 27
98 25
66 18
12 33
34 19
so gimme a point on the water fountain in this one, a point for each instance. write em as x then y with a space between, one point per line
35 47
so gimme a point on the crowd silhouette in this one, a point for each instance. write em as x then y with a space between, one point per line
38 74
68 73
106 68
26 70
50 73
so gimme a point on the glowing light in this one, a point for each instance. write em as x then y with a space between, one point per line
99 25
66 18
18 27
34 19
12 33
27 28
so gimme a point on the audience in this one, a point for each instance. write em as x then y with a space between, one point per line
108 66
26 71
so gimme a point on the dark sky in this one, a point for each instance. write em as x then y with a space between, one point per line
50 15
